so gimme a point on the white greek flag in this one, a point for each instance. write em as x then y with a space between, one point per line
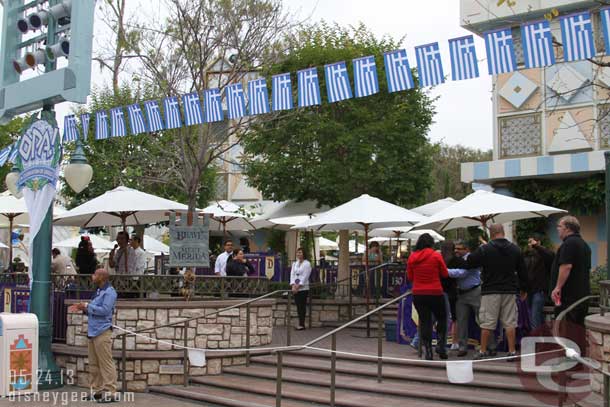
464 63
14 152
193 114
117 121
236 102
309 87
604 15
213 105
397 71
153 114
70 129
577 36
365 76
281 93
537 44
101 125
338 87
500 51
85 118
136 119
172 112
429 64
4 153
258 97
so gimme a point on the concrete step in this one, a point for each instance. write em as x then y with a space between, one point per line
318 394
508 382
391 387
219 396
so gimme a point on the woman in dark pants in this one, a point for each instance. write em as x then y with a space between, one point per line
299 282
425 269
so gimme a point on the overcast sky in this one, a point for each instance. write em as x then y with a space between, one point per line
464 110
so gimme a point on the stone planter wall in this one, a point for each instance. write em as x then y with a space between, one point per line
151 363
598 331
221 331
332 310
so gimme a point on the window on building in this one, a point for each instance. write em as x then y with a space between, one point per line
520 136
516 31
222 187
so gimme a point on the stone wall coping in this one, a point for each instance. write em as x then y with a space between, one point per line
598 323
172 304
69 350
341 301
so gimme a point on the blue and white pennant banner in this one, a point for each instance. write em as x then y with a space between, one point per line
236 101
500 51
153 112
398 72
309 87
117 121
70 129
604 15
101 125
537 44
136 119
212 101
365 76
338 87
577 36
429 65
464 64
281 94
193 113
258 97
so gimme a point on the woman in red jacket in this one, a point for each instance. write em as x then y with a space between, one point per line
425 269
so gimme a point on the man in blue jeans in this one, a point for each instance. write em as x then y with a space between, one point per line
538 261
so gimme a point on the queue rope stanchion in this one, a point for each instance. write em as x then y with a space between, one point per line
124 363
288 317
248 334
278 383
333 369
186 355
379 346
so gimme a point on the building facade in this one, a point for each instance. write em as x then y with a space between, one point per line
548 123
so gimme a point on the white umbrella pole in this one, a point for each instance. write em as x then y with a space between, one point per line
10 242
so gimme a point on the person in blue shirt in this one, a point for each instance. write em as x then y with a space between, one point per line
102 370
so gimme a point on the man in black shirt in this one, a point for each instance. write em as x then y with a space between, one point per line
571 270
538 260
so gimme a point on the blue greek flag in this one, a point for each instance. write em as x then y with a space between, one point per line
193 114
604 15
365 76
338 87
236 102
500 51
153 114
213 105
258 97
70 128
429 64
117 121
309 87
537 44
281 93
4 153
577 36
464 63
397 71
14 152
172 112
101 125
85 118
136 119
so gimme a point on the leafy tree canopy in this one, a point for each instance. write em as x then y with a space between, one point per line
335 152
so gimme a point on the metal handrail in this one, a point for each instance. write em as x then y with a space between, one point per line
577 356
353 321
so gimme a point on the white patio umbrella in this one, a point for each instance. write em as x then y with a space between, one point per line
363 213
431 208
12 210
153 245
288 214
482 207
121 206
99 243
225 213
326 244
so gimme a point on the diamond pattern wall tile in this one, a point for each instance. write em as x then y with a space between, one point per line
566 82
518 89
520 136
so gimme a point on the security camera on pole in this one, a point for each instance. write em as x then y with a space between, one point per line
39 36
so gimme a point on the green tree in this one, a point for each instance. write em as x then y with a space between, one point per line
335 152
446 173
9 133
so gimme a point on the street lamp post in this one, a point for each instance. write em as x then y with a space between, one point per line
607 188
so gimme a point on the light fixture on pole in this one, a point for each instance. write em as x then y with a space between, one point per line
11 182
78 173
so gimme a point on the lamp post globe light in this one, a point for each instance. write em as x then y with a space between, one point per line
78 172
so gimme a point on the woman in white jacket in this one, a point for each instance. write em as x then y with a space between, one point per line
299 281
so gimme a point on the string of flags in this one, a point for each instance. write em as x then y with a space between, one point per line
193 108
